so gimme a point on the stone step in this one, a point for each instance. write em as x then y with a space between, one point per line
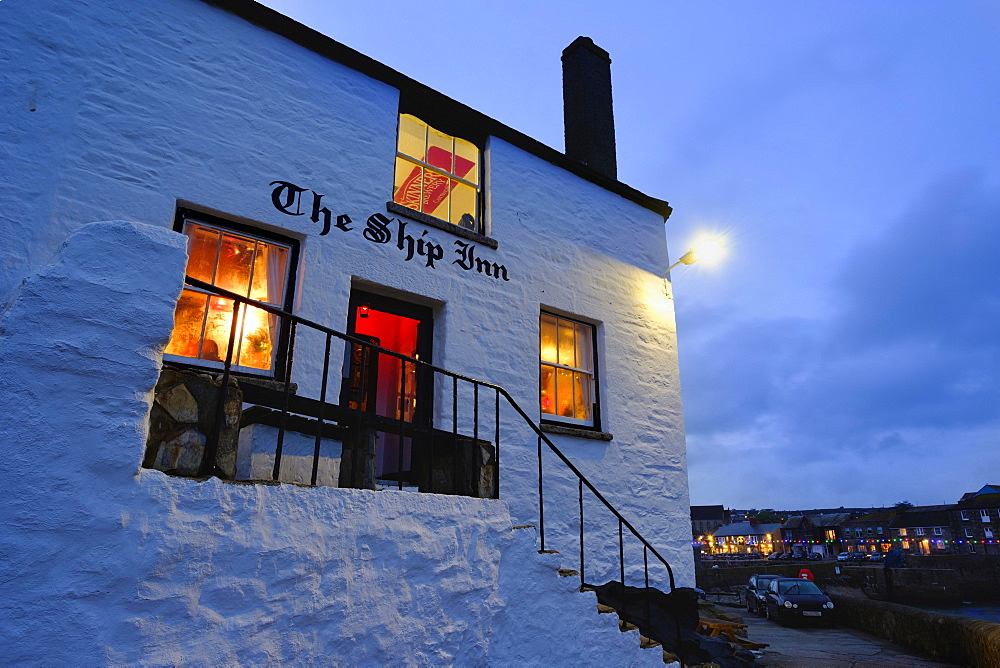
604 609
624 626
647 643
567 572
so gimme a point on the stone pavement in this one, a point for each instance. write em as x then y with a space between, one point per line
823 647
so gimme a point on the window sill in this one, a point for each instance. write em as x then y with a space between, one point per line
423 218
576 431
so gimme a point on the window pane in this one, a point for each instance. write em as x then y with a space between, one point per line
463 206
435 194
203 246
584 347
189 316
582 396
256 332
548 336
439 150
270 269
235 260
466 160
407 185
564 393
567 347
217 324
412 136
548 389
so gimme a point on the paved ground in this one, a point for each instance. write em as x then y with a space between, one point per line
828 648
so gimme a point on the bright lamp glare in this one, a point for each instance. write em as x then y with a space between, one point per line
709 250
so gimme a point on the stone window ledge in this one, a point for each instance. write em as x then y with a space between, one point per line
563 430
431 221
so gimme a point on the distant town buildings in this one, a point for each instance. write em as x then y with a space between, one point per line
969 526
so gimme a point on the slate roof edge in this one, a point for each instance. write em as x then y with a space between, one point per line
327 47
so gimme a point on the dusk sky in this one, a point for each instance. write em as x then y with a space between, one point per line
847 352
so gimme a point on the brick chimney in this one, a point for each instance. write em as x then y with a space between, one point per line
587 109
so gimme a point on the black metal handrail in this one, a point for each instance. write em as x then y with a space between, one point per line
294 321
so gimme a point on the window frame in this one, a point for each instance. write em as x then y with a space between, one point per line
938 531
984 515
283 345
964 514
480 231
969 533
553 418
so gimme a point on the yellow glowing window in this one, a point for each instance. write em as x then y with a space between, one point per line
437 174
568 392
250 266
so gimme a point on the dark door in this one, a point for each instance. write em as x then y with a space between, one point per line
394 388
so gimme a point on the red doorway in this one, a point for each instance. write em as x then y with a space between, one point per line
394 388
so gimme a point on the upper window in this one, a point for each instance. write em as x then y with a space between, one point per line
567 385
938 531
902 532
984 514
249 264
920 531
437 174
965 514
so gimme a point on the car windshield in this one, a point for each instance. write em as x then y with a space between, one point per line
803 587
762 582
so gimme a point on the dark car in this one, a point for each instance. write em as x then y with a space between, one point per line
773 556
814 556
755 592
797 599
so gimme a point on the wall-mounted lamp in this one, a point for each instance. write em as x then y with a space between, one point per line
363 312
707 249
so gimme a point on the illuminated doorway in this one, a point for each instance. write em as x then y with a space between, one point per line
394 388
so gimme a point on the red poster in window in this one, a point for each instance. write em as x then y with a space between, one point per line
435 186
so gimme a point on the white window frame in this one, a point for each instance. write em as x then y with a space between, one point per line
594 422
965 514
969 532
984 515
186 216
879 531
988 531
938 531
920 531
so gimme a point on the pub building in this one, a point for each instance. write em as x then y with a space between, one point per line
383 288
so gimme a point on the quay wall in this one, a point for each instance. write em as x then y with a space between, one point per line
958 640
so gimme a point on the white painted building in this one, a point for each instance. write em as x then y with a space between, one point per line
251 152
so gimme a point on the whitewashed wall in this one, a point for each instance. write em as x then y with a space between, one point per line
104 563
109 110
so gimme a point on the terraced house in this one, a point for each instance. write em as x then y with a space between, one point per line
306 362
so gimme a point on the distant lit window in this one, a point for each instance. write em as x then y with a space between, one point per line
988 531
902 532
241 262
831 534
984 515
437 174
568 391
879 531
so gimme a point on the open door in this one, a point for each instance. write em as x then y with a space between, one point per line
385 385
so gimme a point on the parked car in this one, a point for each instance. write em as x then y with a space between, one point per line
755 592
789 599
785 556
773 556
876 556
814 556
858 556
844 556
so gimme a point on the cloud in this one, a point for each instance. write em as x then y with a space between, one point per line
904 369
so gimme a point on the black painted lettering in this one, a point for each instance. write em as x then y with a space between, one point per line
285 195
377 229
343 220
466 255
319 212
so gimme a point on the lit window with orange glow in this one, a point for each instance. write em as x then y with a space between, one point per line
567 378
242 263
437 174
